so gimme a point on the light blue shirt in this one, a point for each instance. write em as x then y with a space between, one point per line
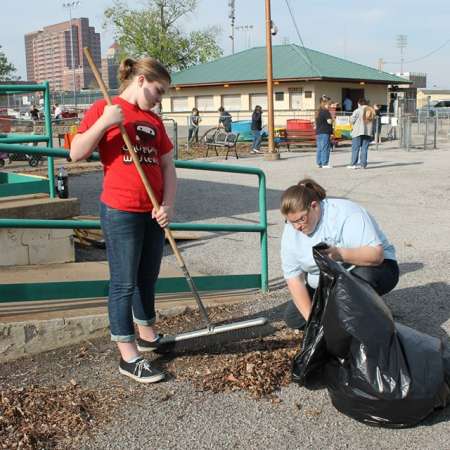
342 224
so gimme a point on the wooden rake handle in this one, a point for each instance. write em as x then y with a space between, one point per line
134 156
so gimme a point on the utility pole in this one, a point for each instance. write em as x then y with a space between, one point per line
402 43
272 153
232 17
69 6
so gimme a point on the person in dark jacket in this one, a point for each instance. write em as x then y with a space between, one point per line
225 119
194 123
324 130
256 129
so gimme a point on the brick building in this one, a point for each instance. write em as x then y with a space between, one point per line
49 55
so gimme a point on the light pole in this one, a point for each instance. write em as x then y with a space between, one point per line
232 17
69 6
272 153
402 43
247 36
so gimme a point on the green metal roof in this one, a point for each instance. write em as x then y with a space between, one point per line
289 62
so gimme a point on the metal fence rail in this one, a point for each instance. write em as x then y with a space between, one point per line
37 291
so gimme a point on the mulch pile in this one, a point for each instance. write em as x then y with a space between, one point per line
47 417
257 366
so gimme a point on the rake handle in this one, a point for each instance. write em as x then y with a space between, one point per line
148 188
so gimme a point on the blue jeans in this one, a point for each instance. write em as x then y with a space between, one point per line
323 149
360 143
256 139
134 246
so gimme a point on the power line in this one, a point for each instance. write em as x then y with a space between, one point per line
300 38
422 57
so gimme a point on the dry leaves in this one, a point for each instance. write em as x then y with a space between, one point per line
44 417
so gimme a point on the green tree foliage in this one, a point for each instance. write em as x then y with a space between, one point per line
154 30
6 68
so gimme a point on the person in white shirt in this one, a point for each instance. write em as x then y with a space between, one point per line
352 236
58 112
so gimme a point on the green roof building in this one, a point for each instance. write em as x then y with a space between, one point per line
238 83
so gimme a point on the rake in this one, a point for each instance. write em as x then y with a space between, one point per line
211 334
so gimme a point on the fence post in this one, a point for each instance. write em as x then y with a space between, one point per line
408 133
435 132
188 125
425 135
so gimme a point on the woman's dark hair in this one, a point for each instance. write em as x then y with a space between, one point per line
300 196
151 68
195 110
257 108
362 101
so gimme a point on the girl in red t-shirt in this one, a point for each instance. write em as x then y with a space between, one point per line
134 238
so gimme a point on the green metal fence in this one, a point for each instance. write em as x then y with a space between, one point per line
46 137
90 289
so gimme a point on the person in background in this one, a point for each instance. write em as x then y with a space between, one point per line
324 130
362 121
256 129
194 123
378 123
34 112
352 235
57 115
347 104
225 119
132 227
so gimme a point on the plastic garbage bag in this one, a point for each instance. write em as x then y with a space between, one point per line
376 371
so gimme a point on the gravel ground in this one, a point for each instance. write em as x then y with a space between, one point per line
408 193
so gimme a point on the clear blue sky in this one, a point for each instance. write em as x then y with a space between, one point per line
359 31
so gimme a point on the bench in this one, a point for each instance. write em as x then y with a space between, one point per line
298 138
222 139
301 138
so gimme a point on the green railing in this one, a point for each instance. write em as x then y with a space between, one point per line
46 291
47 137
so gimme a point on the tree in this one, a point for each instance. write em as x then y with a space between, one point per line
6 68
154 31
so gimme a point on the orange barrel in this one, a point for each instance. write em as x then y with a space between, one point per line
299 125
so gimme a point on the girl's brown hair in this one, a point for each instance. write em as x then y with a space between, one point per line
300 196
151 68
323 101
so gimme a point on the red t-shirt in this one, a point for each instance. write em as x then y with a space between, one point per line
122 187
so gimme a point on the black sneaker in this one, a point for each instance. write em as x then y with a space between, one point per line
149 346
141 371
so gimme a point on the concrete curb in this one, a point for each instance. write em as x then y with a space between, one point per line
31 337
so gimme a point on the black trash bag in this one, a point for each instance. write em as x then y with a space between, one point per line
376 371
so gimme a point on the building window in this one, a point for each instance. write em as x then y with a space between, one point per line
279 96
232 102
308 94
179 104
204 103
296 100
258 99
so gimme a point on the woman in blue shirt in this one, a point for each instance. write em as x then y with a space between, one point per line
351 233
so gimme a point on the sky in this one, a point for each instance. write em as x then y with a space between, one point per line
359 31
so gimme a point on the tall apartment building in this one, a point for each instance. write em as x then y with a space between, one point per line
110 67
49 55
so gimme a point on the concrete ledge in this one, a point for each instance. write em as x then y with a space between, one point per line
29 337
20 339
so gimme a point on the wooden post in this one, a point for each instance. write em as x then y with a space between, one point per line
272 153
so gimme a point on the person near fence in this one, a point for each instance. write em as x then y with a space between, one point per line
225 119
324 130
34 113
353 238
362 121
378 124
133 229
256 129
194 124
58 112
